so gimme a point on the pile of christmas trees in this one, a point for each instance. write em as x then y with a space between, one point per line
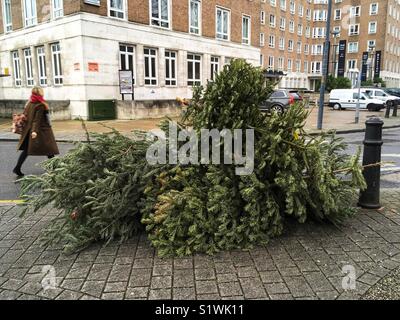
106 189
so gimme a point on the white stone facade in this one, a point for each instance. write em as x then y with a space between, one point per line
91 39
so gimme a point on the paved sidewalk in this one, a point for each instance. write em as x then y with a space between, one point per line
306 263
343 121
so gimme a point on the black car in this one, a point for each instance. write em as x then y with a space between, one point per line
279 101
392 91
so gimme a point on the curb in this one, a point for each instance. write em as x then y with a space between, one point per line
352 130
311 134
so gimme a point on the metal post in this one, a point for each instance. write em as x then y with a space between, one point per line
325 67
357 119
395 109
370 198
388 107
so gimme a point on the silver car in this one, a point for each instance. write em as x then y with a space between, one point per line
279 101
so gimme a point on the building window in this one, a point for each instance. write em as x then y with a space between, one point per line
150 67
214 67
372 27
7 16
246 25
41 60
170 68
17 69
223 24
373 9
195 16
56 61
116 8
30 17
127 59
29 68
160 13
194 69
58 8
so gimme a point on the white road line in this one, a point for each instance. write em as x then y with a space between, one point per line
390 169
394 155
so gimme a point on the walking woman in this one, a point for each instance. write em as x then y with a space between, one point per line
37 138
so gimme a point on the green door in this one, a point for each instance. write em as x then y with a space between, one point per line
102 110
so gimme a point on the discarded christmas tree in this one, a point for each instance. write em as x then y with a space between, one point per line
107 189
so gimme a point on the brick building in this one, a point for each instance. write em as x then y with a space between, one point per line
293 33
76 48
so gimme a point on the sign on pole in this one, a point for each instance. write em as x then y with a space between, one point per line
342 58
378 60
126 83
364 68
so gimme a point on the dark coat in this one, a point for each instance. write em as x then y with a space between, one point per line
45 143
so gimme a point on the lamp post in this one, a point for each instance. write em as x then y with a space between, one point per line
325 67
335 34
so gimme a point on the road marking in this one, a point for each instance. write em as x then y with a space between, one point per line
12 201
394 155
390 169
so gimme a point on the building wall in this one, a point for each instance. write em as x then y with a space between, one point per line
87 38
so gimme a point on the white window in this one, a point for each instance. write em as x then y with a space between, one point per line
117 8
214 67
355 11
56 62
150 67
28 68
262 39
262 17
271 63
41 61
170 68
353 47
160 13
7 15
223 24
58 8
127 59
354 29
194 69
351 64
30 16
246 25
17 69
373 9
372 27
195 16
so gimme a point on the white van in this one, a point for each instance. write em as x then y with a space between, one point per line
379 94
347 99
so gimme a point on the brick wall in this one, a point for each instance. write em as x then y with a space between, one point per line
138 11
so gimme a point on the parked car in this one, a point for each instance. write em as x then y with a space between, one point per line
380 94
279 101
347 99
296 95
392 91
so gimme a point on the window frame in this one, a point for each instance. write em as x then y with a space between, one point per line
159 19
168 61
58 77
152 79
42 65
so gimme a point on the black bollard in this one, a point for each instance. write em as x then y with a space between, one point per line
370 198
396 104
388 107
